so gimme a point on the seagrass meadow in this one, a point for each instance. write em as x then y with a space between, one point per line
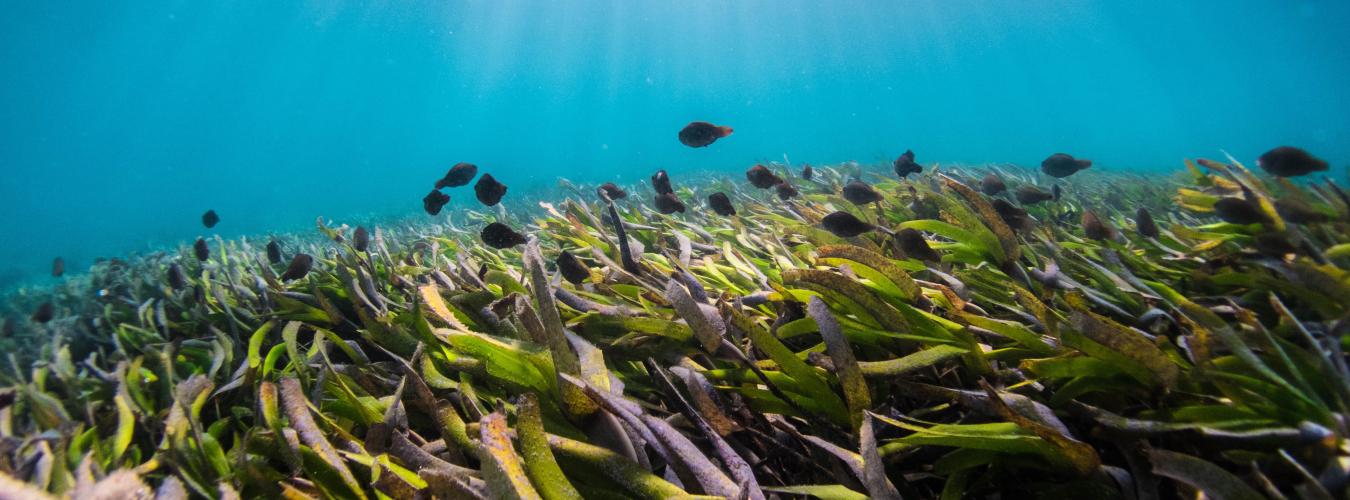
1134 337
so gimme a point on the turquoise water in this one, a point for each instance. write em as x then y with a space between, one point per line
121 122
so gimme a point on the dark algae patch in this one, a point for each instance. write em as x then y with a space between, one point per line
866 331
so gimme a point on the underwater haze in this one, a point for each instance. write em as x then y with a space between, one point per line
121 122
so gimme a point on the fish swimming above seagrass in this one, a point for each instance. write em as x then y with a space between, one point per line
905 165
845 225
459 175
1289 161
1060 165
702 134
499 236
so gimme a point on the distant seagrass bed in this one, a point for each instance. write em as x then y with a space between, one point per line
845 331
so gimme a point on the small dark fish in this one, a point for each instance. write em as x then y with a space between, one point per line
701 134
7 397
1013 216
992 184
459 175
1299 212
785 191
721 204
9 328
176 278
807 172
613 191
488 190
1030 195
1061 165
433 202
761 177
202 251
1238 211
845 225
859 193
661 182
1143 222
299 267
1056 192
58 267
44 313
572 268
361 239
913 244
1274 245
501 236
1289 161
905 165
274 252
210 219
668 203
1094 228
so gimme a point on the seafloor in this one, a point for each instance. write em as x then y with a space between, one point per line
1125 339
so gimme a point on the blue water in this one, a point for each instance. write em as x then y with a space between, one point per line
121 122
